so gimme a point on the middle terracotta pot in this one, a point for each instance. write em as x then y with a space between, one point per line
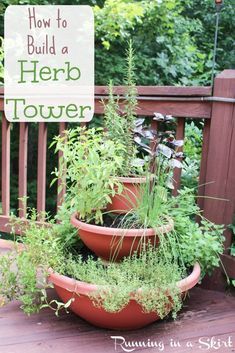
112 244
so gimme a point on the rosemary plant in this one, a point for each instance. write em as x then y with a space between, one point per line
120 123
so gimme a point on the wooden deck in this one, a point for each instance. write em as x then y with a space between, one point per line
206 314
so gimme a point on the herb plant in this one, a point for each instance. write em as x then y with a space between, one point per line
91 161
120 122
189 241
202 242
192 152
24 274
147 277
24 271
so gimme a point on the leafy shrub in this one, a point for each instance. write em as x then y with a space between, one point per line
195 242
192 153
19 268
90 160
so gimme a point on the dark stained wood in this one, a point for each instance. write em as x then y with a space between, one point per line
205 314
186 109
1 98
177 171
155 90
154 127
202 176
23 164
159 91
41 173
5 178
61 187
4 226
229 265
220 168
1 104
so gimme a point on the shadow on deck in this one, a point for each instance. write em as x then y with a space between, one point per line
206 314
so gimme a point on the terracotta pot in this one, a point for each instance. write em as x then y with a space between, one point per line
129 318
115 243
6 245
128 199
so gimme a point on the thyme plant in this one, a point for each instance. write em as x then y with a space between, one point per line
147 278
24 274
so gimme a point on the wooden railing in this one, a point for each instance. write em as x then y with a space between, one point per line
217 172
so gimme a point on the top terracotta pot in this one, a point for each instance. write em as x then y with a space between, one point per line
129 197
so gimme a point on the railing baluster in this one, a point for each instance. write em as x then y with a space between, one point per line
153 143
41 172
202 176
177 171
150 99
61 185
23 154
5 166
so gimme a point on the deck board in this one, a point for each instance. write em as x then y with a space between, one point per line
205 314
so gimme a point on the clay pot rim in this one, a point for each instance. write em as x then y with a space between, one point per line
124 232
80 287
132 180
85 288
11 245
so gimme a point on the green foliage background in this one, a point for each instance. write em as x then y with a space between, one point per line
173 38
173 41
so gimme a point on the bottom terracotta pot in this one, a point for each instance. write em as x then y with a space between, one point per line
129 318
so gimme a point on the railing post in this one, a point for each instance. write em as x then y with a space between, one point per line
220 168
